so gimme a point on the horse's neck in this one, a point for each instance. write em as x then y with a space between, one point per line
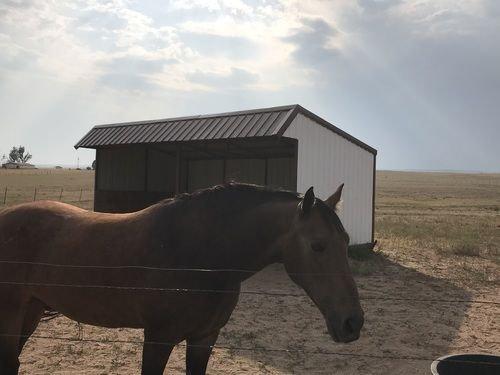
249 240
260 245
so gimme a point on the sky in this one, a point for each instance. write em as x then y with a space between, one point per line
419 80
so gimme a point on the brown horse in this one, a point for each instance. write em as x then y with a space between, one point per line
148 269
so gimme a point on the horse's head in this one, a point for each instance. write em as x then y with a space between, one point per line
315 257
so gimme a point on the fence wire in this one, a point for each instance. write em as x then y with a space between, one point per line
204 291
391 356
230 291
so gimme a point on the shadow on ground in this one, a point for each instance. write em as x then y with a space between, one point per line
392 328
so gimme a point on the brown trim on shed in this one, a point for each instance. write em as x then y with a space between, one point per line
146 169
178 170
296 162
299 109
288 120
373 196
95 175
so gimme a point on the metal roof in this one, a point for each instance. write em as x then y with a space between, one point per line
264 122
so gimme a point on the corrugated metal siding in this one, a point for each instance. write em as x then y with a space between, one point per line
161 172
325 160
121 169
255 123
246 170
281 173
204 173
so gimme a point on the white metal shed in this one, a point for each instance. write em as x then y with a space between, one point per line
289 147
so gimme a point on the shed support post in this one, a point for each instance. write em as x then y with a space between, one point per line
224 170
266 170
178 170
373 196
146 172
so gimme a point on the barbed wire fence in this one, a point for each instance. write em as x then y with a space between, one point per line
81 339
131 288
206 291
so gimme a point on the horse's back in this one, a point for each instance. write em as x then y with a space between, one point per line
33 223
38 240
47 231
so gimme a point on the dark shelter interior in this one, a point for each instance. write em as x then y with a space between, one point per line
131 177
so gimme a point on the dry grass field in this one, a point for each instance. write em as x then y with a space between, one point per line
438 239
77 186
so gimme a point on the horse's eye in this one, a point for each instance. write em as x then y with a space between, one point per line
318 246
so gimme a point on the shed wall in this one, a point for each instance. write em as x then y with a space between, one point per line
205 173
282 173
161 171
325 160
122 169
246 170
275 172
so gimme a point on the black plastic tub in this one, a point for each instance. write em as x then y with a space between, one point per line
467 364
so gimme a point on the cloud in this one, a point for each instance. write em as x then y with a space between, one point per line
377 5
230 6
135 65
14 57
132 73
311 43
99 20
20 4
234 80
217 45
129 82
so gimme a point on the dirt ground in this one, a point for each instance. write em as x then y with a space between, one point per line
438 238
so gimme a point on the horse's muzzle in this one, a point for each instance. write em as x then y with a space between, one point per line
346 330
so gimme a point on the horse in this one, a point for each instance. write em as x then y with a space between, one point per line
173 269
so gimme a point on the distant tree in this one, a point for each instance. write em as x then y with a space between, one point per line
24 158
93 165
17 155
14 155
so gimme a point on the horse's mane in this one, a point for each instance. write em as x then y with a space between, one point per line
243 188
239 195
234 196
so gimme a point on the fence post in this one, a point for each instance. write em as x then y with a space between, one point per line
34 195
81 191
60 195
5 196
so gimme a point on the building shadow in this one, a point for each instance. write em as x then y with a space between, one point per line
393 328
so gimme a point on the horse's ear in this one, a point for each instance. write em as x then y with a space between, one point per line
308 201
335 198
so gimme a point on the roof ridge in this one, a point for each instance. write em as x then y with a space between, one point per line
260 122
193 117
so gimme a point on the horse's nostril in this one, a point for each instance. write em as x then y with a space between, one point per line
348 326
353 324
